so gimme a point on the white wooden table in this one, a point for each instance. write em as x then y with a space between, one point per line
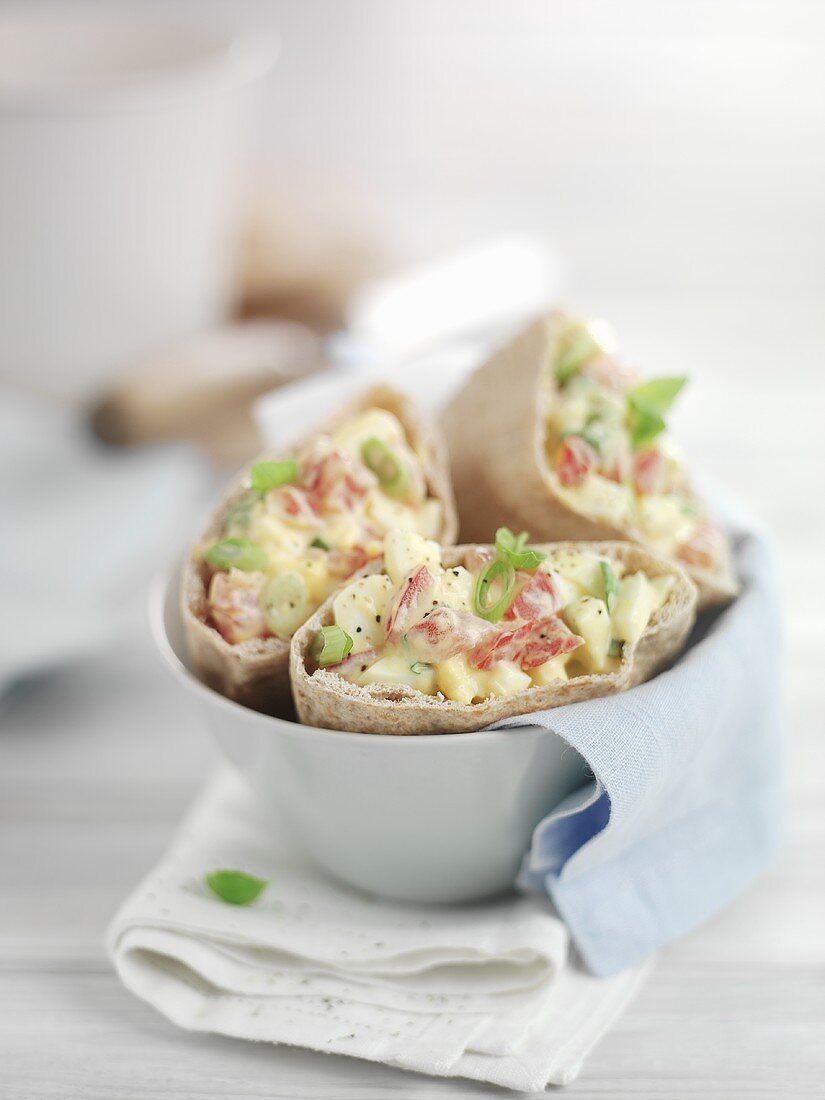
98 762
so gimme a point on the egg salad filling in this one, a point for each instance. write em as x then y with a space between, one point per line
510 618
306 524
605 439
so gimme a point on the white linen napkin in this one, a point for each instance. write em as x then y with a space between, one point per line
488 991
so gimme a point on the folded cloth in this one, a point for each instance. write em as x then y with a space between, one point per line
488 992
685 809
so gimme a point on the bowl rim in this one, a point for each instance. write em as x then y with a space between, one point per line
157 598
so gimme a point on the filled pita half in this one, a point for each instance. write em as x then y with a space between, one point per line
553 434
430 640
295 526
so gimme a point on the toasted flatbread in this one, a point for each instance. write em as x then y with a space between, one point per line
256 672
324 699
501 476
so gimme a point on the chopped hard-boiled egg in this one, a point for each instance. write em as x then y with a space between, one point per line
588 617
397 668
600 498
404 551
372 424
358 610
551 671
636 601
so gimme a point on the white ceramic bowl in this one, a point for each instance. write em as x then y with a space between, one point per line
121 139
442 818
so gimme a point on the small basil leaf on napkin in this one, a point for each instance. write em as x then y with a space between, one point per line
235 887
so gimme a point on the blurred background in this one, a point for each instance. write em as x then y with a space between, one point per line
658 163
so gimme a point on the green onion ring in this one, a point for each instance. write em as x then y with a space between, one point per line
387 465
483 605
330 645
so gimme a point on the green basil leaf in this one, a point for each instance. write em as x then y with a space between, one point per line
235 887
514 549
420 666
644 423
657 394
270 475
320 544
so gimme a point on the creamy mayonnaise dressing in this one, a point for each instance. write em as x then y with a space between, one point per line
418 623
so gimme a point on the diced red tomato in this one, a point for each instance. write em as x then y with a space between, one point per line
704 548
649 471
343 563
529 645
235 605
576 459
412 601
538 598
293 505
444 632
333 482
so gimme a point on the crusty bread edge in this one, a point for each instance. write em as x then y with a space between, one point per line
494 426
256 672
326 700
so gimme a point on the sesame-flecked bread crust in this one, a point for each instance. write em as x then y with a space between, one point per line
324 699
501 476
256 672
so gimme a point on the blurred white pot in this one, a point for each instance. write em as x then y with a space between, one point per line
120 138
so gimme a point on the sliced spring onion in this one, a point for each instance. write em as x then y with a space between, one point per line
235 887
615 648
285 602
611 585
494 590
387 465
330 645
237 553
236 523
320 544
420 666
514 549
576 348
269 475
